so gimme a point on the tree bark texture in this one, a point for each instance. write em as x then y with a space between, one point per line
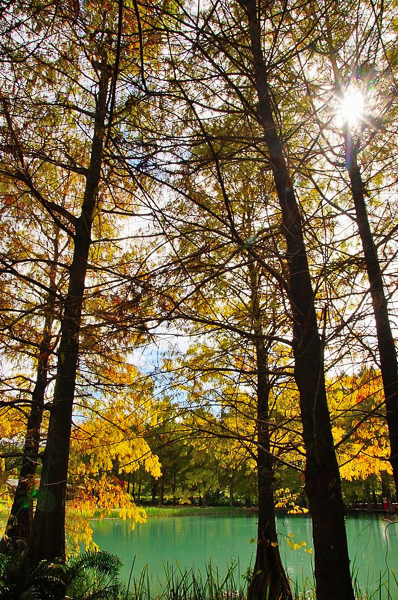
48 532
323 485
20 520
385 339
269 578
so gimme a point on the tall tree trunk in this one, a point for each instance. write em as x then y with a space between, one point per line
385 339
139 488
154 491
174 484
20 520
323 485
269 581
48 532
161 491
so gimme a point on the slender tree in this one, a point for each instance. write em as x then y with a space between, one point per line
269 579
235 326
323 486
353 148
19 522
353 43
243 47
48 531
72 78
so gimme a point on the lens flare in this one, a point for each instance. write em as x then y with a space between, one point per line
352 106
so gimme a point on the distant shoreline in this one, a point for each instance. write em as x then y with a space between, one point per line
184 511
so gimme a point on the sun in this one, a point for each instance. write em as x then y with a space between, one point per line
352 106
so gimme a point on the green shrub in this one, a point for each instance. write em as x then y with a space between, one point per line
90 576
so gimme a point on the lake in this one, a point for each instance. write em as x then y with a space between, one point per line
194 541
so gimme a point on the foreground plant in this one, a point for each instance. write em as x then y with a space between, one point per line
89 576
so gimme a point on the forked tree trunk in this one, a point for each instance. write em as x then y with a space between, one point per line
48 532
323 485
269 580
385 339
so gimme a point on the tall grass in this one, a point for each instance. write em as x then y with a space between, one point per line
386 587
95 576
211 585
192 585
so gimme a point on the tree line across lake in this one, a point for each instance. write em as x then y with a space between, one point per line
198 266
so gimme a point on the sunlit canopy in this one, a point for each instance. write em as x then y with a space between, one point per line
352 106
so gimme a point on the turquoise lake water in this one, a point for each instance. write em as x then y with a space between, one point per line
194 541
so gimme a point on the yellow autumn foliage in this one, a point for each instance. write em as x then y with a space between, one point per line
359 425
108 444
98 497
286 499
12 424
111 436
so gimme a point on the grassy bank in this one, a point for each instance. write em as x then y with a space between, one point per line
182 511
